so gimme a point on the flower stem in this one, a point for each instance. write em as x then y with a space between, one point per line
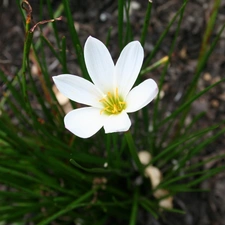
134 211
120 22
146 24
133 152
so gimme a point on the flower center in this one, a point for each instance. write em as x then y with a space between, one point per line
112 103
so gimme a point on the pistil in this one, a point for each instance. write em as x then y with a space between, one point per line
113 103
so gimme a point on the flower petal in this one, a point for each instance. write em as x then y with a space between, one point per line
84 122
141 95
128 67
117 123
78 89
99 64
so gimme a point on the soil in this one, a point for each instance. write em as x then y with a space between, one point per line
95 18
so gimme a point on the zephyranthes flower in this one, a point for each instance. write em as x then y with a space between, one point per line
110 96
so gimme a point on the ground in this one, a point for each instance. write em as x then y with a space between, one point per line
94 18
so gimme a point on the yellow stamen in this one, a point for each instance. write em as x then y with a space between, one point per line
112 103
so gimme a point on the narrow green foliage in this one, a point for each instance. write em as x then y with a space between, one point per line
128 32
133 151
162 77
108 36
120 22
209 28
146 24
52 15
162 37
149 206
69 207
50 176
75 40
134 209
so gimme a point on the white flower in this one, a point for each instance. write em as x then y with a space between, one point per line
109 96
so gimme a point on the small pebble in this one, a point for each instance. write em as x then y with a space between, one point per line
207 77
215 103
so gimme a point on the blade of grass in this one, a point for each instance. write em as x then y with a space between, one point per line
188 103
53 25
161 81
75 39
128 33
159 42
200 66
168 149
149 206
133 152
120 23
209 28
146 24
68 208
134 210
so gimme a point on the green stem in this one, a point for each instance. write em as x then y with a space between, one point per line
133 152
162 37
134 209
120 22
75 39
70 207
162 77
200 66
26 50
209 28
146 23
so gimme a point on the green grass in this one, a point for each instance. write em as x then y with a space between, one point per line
47 174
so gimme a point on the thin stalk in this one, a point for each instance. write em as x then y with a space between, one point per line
162 77
159 42
27 45
128 33
133 152
155 65
120 23
188 103
75 39
210 27
134 211
201 64
146 23
68 208
108 37
53 25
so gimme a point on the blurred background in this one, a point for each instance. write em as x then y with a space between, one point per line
95 18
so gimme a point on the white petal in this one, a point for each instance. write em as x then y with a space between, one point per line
78 89
141 95
117 123
99 64
128 67
84 122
